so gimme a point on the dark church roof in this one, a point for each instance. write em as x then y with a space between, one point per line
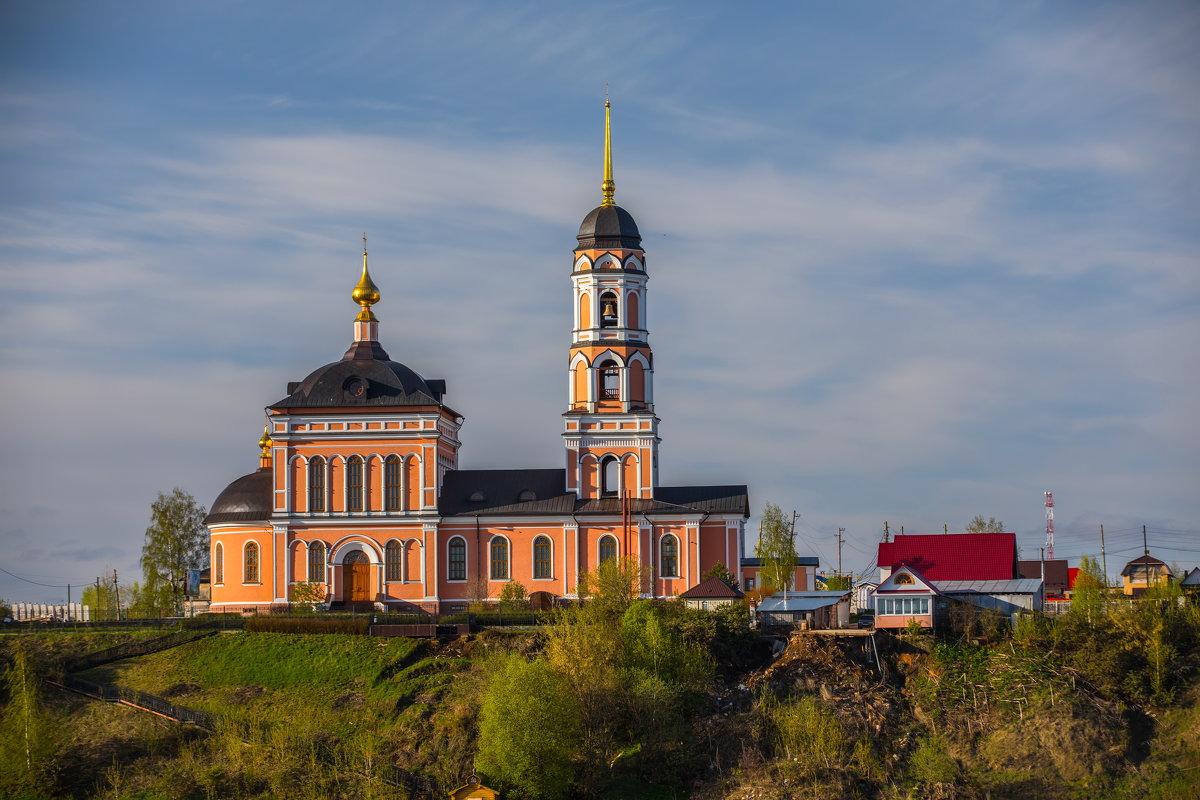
609 226
488 492
248 499
364 377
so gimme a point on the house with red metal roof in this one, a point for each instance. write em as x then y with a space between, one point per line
952 557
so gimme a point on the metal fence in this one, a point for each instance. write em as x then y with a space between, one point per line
131 649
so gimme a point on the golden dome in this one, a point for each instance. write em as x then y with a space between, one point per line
365 293
265 442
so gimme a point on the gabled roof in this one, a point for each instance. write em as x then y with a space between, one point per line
1191 577
711 588
1143 563
490 492
801 601
919 582
958 556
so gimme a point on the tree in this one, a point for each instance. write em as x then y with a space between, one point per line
513 597
29 738
980 525
530 733
718 570
613 586
839 582
175 542
307 594
776 549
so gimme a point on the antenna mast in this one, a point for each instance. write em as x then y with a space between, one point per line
1049 525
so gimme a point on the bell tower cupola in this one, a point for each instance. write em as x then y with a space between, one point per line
611 432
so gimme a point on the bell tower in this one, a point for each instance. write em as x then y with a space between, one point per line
611 432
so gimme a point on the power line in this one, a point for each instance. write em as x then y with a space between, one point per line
39 583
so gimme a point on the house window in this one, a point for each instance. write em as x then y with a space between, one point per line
608 548
219 564
610 476
541 557
354 484
749 584
610 381
902 606
457 569
391 558
499 559
316 562
316 484
903 579
391 483
250 563
669 556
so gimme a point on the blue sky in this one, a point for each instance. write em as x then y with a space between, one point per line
909 262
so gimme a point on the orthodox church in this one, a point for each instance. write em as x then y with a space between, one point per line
359 489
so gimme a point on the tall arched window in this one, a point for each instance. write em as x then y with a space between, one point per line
219 564
392 559
610 476
608 548
391 483
316 562
250 563
354 484
499 549
608 310
542 551
456 569
669 553
610 381
316 484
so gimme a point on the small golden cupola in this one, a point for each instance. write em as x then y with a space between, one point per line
264 446
366 294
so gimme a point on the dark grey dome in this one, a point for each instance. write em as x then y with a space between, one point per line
364 377
248 499
609 226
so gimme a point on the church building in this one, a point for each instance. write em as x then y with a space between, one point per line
359 488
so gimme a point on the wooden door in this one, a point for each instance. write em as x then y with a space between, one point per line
356 577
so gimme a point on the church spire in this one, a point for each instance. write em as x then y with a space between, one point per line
366 294
608 187
264 446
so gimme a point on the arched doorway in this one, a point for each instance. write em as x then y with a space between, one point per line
356 577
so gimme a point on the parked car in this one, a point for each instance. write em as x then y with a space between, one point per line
866 619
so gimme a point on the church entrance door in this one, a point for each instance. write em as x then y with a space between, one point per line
356 577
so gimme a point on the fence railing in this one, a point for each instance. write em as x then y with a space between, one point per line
131 649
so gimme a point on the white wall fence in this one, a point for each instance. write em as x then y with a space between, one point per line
67 612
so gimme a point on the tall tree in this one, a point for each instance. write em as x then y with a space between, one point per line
175 542
981 525
776 549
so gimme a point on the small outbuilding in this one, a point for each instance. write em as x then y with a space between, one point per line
711 593
474 790
816 610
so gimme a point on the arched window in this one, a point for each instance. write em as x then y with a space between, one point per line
457 569
499 550
391 483
542 551
354 484
610 476
316 484
608 548
219 564
669 552
316 562
903 579
392 559
250 563
608 310
610 381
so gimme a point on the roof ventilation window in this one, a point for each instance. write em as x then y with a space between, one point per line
526 495
477 497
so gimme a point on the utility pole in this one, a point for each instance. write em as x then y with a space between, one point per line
1103 557
1145 547
117 592
885 530
839 538
97 595
945 529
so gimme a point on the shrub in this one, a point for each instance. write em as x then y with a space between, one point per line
805 734
930 763
348 625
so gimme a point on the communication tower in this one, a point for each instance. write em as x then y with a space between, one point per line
1049 525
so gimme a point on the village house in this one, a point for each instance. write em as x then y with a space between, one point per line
804 574
812 610
1143 572
711 593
